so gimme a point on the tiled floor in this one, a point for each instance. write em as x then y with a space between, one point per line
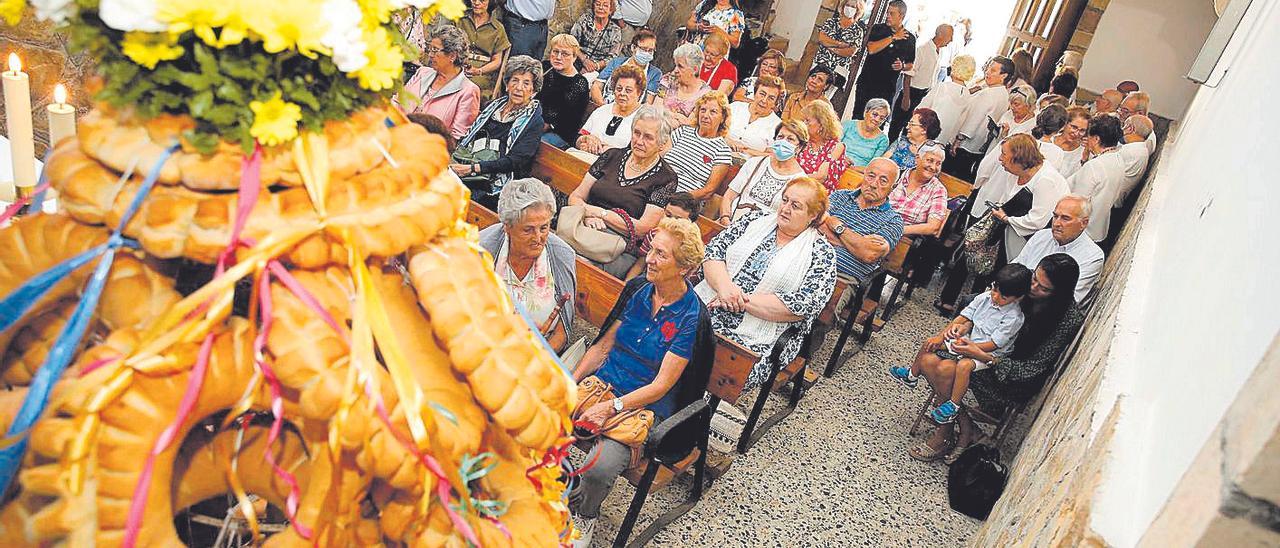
834 473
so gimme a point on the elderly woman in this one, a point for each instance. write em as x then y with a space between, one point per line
922 128
512 126
921 199
823 157
601 39
699 153
539 269
441 88
1052 320
769 271
841 36
626 189
642 351
488 39
947 99
681 88
772 63
1021 116
610 125
564 94
865 139
760 181
717 70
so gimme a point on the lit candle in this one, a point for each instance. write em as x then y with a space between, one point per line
17 105
62 117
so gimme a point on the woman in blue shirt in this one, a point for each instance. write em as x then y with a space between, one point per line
864 139
642 355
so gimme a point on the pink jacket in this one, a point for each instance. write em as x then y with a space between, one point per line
456 104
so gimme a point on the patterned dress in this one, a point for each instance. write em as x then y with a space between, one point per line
730 19
810 160
853 35
806 302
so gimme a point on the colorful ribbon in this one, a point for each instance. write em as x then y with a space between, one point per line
64 348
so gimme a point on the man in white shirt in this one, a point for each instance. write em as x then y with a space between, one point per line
1135 153
1108 101
917 81
526 25
1066 235
631 15
1137 102
980 115
1100 178
751 125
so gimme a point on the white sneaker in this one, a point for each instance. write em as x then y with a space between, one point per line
586 527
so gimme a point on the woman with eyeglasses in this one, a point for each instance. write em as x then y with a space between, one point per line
1071 141
600 38
510 125
681 88
1021 116
610 125
865 139
922 128
760 181
564 94
717 70
771 64
441 87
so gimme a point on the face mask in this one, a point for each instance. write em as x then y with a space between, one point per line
644 57
850 12
783 150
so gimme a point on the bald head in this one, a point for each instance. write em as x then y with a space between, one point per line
1137 128
1070 60
942 35
1109 101
878 179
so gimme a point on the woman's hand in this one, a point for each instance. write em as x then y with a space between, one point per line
999 214
590 143
598 413
462 170
732 298
595 222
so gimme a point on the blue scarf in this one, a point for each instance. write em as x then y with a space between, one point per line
517 128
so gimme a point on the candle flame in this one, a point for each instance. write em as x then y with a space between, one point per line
15 64
60 94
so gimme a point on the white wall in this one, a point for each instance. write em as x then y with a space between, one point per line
1200 305
794 21
1153 43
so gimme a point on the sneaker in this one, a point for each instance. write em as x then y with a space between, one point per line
586 527
904 376
945 413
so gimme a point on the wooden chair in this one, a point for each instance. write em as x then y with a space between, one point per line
1001 420
892 263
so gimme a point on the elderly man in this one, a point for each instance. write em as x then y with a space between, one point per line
917 81
751 125
1107 102
861 224
1101 177
1137 102
1066 235
1137 129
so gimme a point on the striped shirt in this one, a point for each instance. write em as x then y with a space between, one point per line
693 157
881 220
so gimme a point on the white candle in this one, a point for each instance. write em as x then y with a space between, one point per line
62 116
17 105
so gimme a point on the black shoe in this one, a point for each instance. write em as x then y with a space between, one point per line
944 310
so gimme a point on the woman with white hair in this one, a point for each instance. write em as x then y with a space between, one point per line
865 139
949 98
626 190
538 268
681 88
1021 116
511 125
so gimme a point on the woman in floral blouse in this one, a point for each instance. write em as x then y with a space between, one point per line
718 14
823 157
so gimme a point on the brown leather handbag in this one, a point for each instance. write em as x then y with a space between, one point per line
630 427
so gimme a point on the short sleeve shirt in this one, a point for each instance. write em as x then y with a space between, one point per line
730 19
992 323
597 45
927 202
724 70
487 41
860 150
602 120
611 190
671 95
652 78
878 67
881 220
693 156
852 34
643 340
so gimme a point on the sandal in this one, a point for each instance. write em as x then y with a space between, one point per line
925 453
981 439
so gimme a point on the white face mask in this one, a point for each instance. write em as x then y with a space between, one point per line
850 12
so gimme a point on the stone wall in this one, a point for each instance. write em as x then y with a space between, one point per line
47 60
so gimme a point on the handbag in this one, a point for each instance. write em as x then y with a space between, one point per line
748 187
980 253
469 154
601 246
976 480
630 427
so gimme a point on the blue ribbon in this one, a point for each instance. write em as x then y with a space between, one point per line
37 201
64 349
524 314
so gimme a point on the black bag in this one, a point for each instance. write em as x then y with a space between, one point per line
468 154
976 480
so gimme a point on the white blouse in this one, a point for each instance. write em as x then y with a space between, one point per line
948 100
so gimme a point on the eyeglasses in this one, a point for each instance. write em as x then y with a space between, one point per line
560 53
432 50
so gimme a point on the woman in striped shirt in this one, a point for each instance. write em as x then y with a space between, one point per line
699 153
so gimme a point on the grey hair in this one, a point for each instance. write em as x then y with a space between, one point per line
528 65
876 103
521 194
1086 205
453 42
650 112
1140 125
691 54
1025 92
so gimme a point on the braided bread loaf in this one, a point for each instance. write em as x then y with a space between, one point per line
511 376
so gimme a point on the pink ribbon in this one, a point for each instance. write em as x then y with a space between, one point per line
18 204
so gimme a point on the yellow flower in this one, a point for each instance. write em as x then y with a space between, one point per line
285 24
452 9
386 61
376 10
11 11
274 121
149 48
205 18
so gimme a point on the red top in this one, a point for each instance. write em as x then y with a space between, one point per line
724 70
810 162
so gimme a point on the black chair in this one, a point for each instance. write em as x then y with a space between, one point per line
864 335
750 435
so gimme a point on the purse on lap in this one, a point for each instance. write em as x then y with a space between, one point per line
601 246
474 153
630 427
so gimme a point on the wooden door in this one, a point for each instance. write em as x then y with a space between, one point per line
1044 28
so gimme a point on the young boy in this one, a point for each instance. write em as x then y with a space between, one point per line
989 324
681 205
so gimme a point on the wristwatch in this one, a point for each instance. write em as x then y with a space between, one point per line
617 405
475 168
839 229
